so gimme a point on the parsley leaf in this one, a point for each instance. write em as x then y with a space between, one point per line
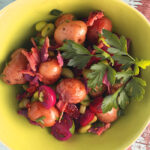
142 63
136 70
103 55
74 47
96 76
110 101
111 75
124 75
123 99
112 39
135 88
77 54
55 12
80 61
116 51
40 119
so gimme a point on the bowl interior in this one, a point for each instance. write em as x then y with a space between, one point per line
16 26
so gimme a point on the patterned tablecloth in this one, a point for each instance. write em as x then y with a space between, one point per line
143 142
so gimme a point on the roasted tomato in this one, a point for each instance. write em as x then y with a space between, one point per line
50 71
73 30
71 90
37 110
12 72
92 33
64 18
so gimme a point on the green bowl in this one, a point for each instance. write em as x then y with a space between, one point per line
16 26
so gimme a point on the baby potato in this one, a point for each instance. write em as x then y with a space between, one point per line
73 30
12 72
108 117
64 18
37 110
50 71
71 90
98 91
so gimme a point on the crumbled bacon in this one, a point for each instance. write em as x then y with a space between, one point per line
93 17
99 130
44 50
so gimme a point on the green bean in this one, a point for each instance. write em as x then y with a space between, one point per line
66 72
84 129
40 25
48 30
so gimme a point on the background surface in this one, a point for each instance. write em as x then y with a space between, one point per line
143 142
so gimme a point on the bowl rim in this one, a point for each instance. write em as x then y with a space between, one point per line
139 14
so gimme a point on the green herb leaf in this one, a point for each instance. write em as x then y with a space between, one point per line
116 51
142 63
110 101
111 75
124 76
135 88
112 39
136 70
79 61
123 99
103 55
56 12
40 120
70 46
77 54
123 43
120 112
97 74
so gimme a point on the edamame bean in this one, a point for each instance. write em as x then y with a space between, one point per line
82 109
35 96
41 41
23 103
66 72
25 86
48 30
40 25
51 53
72 129
86 101
84 129
94 120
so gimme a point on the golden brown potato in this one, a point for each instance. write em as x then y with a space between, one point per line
108 117
73 30
50 71
37 110
71 90
12 72
98 91
64 18
115 87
